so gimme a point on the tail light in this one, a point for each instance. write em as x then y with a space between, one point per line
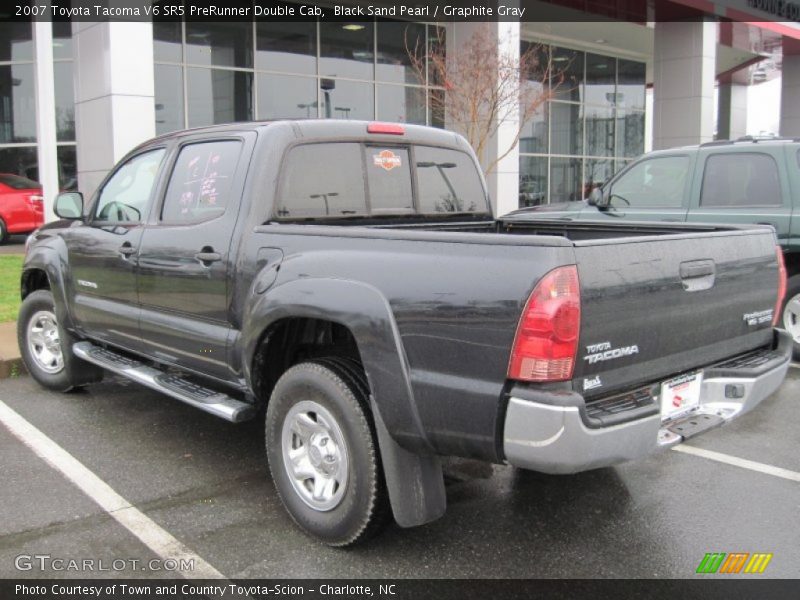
35 199
547 335
776 315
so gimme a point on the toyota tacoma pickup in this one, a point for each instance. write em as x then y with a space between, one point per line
348 283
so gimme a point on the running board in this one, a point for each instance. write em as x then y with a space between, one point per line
208 400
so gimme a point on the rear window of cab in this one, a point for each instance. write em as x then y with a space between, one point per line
345 179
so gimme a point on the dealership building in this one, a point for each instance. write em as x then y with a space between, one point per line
75 97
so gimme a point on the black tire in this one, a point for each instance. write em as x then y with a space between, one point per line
339 387
3 232
791 323
74 372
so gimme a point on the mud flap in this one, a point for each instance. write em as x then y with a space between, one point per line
414 481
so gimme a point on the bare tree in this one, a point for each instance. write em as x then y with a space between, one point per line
486 85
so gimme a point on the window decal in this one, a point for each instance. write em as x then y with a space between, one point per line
386 159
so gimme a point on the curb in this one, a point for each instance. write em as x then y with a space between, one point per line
12 367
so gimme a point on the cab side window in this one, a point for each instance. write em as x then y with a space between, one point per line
657 182
200 185
741 179
126 195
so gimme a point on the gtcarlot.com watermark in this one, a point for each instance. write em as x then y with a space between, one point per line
48 562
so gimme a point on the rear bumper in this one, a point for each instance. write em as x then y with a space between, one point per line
547 431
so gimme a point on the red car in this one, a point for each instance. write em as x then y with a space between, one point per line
21 205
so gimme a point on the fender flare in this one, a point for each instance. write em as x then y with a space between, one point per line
412 470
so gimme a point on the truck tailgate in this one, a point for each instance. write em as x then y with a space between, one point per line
654 307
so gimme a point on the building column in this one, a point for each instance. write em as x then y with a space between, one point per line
683 83
790 89
46 155
114 109
503 181
732 113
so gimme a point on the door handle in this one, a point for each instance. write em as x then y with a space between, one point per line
126 250
208 256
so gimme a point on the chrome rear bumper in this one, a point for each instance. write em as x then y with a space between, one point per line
553 438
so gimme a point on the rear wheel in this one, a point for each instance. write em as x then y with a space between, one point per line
322 452
3 232
791 312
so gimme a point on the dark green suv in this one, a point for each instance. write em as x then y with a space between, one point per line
750 180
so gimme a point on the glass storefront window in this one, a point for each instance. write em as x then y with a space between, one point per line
347 99
16 41
566 129
67 168
233 72
565 179
631 81
20 160
167 42
219 96
228 44
346 49
286 96
62 40
599 131
532 180
401 103
286 46
535 134
630 133
397 42
567 74
168 98
65 101
601 78
17 104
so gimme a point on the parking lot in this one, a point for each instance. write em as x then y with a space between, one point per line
205 482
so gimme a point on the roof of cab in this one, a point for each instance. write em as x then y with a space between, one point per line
328 128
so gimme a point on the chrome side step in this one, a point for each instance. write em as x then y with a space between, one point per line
208 400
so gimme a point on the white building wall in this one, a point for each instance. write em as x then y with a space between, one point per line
684 71
114 106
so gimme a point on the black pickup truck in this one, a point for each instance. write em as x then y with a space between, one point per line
349 279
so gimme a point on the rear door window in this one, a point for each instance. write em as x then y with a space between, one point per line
658 182
199 189
323 180
741 179
448 181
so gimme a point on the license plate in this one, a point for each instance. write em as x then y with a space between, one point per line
680 395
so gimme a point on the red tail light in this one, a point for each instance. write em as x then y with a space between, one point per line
776 315
35 198
390 128
547 335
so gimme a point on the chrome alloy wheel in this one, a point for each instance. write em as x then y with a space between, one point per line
44 343
315 455
791 317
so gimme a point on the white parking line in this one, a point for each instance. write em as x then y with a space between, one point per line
739 462
152 535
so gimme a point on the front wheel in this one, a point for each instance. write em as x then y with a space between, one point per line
3 232
791 312
322 452
46 348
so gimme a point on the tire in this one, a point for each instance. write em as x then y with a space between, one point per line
319 414
3 232
790 315
46 347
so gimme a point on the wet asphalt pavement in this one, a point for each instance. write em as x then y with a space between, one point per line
205 481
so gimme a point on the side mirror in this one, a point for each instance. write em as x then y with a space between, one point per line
69 205
595 197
